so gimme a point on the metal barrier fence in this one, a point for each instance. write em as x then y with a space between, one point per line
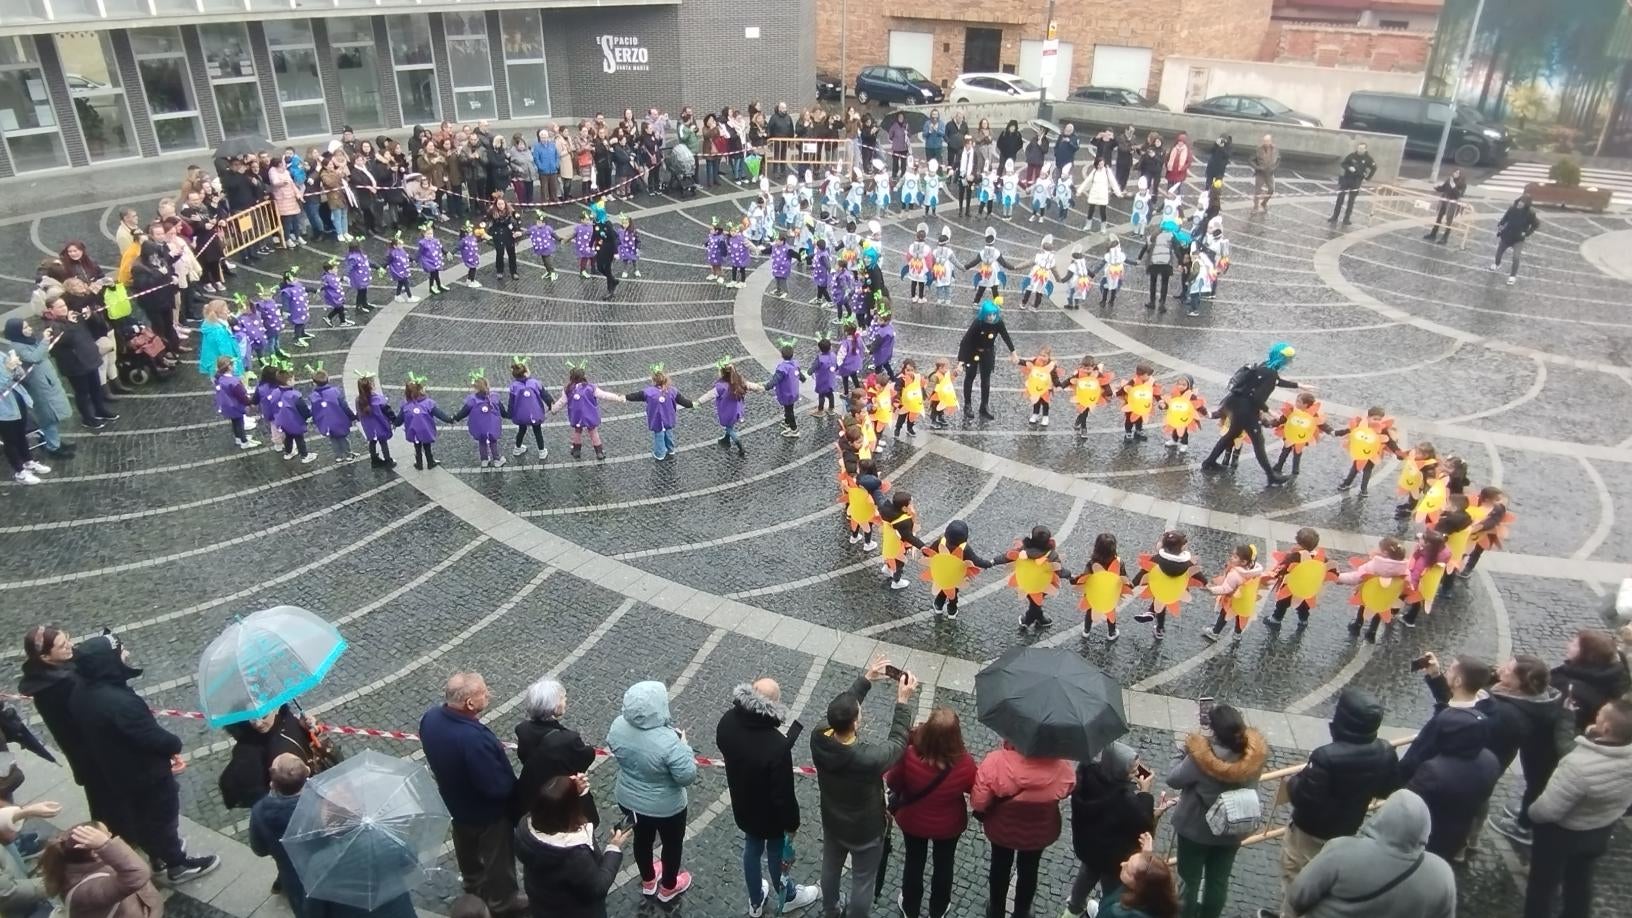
1395 202
249 227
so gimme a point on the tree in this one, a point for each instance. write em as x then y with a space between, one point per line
1527 101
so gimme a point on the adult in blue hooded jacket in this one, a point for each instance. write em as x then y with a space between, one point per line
655 766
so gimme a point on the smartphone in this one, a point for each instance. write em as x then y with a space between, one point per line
895 672
1204 711
1142 771
624 823
1421 663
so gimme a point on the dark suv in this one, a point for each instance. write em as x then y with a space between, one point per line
1421 120
902 85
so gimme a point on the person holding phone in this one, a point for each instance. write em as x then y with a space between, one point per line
655 766
564 875
1111 809
1226 755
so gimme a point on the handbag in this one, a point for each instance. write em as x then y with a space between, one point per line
1236 813
894 800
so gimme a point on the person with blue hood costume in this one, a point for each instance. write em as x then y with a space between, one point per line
1248 397
978 352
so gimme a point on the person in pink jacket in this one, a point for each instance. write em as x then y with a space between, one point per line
1236 592
1017 798
287 200
1387 560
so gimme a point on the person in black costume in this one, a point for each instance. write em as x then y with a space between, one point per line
978 352
1249 394
502 227
606 247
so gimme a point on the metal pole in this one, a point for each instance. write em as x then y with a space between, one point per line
1467 54
844 54
1048 22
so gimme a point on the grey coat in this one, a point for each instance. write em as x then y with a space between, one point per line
43 383
1590 789
1204 770
1356 867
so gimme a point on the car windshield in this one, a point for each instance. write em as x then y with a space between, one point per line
912 75
1274 107
1025 85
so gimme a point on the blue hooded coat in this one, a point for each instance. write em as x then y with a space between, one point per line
655 765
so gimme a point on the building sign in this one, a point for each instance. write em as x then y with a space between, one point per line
622 54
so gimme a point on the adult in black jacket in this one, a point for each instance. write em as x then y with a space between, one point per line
564 875
1592 673
546 749
1331 795
1218 159
256 743
1249 393
1353 172
1456 782
498 166
1009 144
153 276
780 125
1530 724
503 224
241 186
50 679
136 759
606 247
78 359
1450 193
1515 227
978 352
759 772
1111 807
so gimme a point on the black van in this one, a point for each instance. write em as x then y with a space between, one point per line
1420 120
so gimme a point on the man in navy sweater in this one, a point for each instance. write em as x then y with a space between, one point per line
474 777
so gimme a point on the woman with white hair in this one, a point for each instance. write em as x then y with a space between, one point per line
546 749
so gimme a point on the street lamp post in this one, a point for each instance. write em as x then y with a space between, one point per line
844 53
1467 54
1050 55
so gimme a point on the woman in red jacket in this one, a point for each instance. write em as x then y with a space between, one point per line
1178 160
1018 799
927 787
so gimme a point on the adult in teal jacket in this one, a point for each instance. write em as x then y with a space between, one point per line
42 382
655 765
216 340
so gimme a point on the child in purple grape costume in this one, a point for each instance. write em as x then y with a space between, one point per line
231 399
715 250
359 274
330 414
266 306
251 328
529 403
470 255
823 375
398 266
376 419
852 353
784 382
583 401
334 295
729 391
583 242
629 247
821 271
432 258
265 400
741 252
297 304
781 265
418 415
483 415
841 282
542 238
881 341
661 398
291 414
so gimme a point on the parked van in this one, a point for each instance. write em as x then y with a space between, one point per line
1420 120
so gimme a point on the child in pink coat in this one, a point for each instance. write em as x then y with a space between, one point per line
1386 560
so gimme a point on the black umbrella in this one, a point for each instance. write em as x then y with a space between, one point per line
15 731
242 145
1049 702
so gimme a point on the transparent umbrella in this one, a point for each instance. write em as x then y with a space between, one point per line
264 660
362 830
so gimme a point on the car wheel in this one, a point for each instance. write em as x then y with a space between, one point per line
1467 155
861 96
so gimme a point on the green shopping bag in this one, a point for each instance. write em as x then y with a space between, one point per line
754 163
117 301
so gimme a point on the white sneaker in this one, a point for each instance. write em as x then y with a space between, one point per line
25 477
498 463
519 451
308 459
802 896
637 272
249 422
869 545
886 569
1184 448
1511 280
899 584
1033 418
38 468
473 283
855 537
248 444
1044 421
482 463
543 453
410 298
287 456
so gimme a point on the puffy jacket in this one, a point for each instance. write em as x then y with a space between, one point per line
942 813
471 767
546 158
1020 797
564 875
1108 811
655 766
1206 769
548 750
247 775
1587 685
1591 787
521 164
758 763
1457 781
1330 796
1534 729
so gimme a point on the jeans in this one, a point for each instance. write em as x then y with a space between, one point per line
1560 856
1025 865
864 862
769 852
314 216
341 445
1204 877
940 882
662 443
487 865
1502 247
341 219
711 171
291 228
672 830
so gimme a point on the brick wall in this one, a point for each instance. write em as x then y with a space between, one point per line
1348 46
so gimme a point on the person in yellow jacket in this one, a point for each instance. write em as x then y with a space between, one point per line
943 395
1237 591
909 398
1090 384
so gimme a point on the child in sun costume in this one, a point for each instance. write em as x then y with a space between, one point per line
860 496
1299 576
943 394
909 396
1036 574
1491 521
1417 475
1089 385
880 392
1103 583
1139 396
1427 572
895 535
1182 408
1367 439
1237 591
1165 578
1041 376
1300 426
1380 586
949 563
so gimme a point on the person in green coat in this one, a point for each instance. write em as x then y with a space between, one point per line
42 382
1146 887
216 340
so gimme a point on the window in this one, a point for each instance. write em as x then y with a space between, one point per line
1024 86
232 77
470 65
294 69
523 35
414 64
357 66
162 62
1438 112
77 9
99 98
27 119
1254 108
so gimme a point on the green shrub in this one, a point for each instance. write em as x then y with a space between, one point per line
1565 172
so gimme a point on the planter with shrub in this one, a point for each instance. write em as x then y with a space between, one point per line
1564 189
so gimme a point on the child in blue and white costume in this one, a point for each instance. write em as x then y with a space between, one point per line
932 188
1040 281
944 263
1042 191
909 185
1010 188
759 219
1064 191
790 203
1079 280
881 187
1111 272
987 195
832 191
1141 208
804 235
855 194
807 190
1173 204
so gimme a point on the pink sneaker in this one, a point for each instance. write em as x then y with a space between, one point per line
682 882
648 887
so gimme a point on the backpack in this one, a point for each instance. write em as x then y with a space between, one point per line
1161 249
1236 813
1244 379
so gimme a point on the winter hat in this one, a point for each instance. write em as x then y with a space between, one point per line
946 234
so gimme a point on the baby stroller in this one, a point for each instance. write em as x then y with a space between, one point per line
142 355
680 167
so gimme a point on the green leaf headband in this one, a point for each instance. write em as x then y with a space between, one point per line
849 324
720 364
316 369
396 237
238 300
363 374
416 378
538 215
657 368
518 360
477 373
787 342
263 291
580 365
293 270
331 264
469 228
427 227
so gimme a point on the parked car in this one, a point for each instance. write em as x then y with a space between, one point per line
904 85
1421 120
1253 108
993 87
1114 95
828 86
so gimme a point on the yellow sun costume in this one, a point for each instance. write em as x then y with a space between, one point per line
912 396
1034 579
883 413
869 442
1305 577
1166 592
1377 597
1427 585
1039 376
1493 538
946 569
1088 388
945 393
891 546
1365 442
1139 398
1224 428
1244 601
1300 427
860 511
1102 590
1183 410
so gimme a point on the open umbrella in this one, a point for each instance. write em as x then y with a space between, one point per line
243 144
1048 701
1046 126
362 830
264 660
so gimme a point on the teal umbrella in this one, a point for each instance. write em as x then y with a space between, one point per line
263 661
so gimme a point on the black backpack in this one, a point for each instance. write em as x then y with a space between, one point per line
1244 380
